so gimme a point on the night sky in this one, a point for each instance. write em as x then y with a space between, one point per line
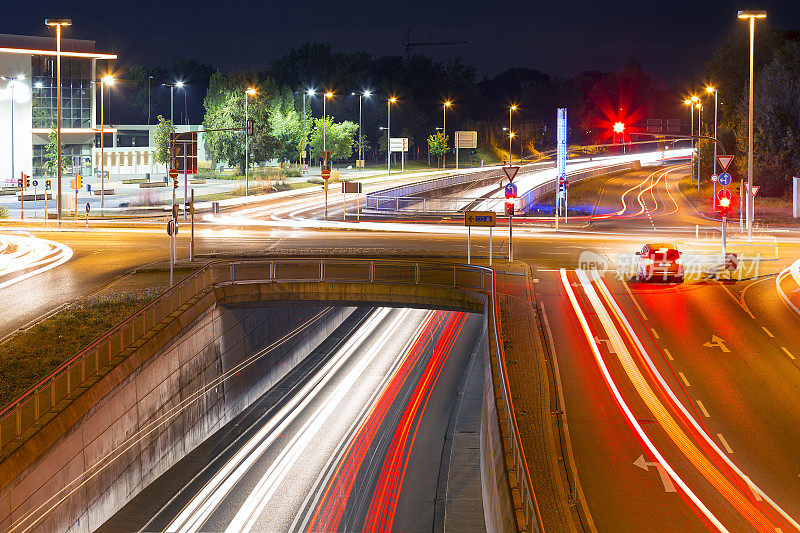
671 39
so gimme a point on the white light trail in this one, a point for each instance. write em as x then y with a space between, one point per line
23 256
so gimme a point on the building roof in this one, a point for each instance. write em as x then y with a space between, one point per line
36 45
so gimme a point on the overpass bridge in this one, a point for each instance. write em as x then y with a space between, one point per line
79 411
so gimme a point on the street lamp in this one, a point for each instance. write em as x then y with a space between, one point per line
716 93
510 131
105 80
751 16
389 103
12 82
149 79
249 92
445 105
309 92
179 85
365 94
699 106
324 146
58 24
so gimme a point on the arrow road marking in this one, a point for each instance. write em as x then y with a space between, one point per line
716 342
644 464
609 345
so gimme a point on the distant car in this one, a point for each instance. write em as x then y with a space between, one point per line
659 262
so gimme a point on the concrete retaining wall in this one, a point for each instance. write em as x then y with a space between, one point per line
138 415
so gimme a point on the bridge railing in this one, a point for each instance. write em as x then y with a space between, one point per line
22 417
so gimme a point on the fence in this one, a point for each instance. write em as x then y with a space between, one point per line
406 197
529 198
40 403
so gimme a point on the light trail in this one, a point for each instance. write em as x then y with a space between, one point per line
208 498
792 270
24 256
735 495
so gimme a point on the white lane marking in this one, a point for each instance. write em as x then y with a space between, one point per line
607 342
716 342
724 443
787 352
669 355
683 378
604 289
644 464
768 332
638 307
655 333
703 408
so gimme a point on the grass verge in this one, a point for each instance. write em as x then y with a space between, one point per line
28 356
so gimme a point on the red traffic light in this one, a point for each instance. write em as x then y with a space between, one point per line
510 207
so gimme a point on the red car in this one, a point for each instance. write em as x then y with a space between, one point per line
659 262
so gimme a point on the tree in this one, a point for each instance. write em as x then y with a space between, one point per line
224 105
286 126
437 144
163 136
51 153
339 137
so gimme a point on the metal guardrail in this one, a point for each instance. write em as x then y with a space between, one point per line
528 199
405 197
53 393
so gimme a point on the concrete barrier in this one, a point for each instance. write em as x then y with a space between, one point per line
136 414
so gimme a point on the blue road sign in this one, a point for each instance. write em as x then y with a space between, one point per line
725 179
35 183
88 208
511 191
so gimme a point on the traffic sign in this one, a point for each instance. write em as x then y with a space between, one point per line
511 191
714 178
510 172
725 179
325 154
35 183
724 161
754 189
479 218
173 173
88 208
326 173
724 193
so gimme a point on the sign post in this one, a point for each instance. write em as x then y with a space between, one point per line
88 208
482 219
465 139
191 238
561 159
325 173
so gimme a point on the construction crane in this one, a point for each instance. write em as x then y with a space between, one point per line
415 38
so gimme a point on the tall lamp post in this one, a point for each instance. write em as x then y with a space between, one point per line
325 146
510 131
389 103
365 94
105 80
11 83
249 92
699 106
58 24
751 16
716 93
309 92
179 85
149 80
445 105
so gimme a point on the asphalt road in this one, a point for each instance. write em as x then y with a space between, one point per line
747 394
352 439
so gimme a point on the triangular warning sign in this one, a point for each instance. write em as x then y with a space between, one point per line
511 172
725 161
754 189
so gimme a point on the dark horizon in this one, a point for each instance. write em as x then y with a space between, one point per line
670 45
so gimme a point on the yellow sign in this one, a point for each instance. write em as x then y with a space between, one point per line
480 218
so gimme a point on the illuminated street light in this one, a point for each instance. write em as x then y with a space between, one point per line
58 24
309 93
750 16
248 92
364 94
12 82
511 132
699 106
105 80
324 145
389 103
445 105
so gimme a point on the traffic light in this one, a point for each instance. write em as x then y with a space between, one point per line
19 182
510 207
47 185
725 203
251 127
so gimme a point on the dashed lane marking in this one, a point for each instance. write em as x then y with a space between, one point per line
787 352
703 408
724 443
669 355
683 378
655 333
768 332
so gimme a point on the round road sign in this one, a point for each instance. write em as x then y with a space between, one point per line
35 183
511 191
326 174
725 179
173 173
724 193
714 177
88 208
